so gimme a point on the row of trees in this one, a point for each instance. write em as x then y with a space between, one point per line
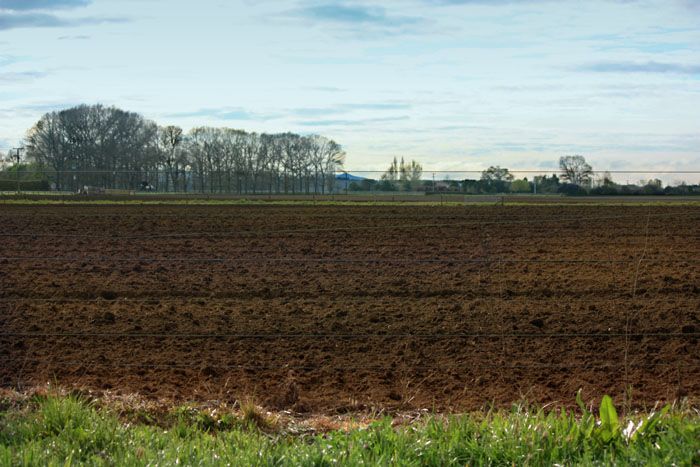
108 147
576 177
575 171
112 148
407 177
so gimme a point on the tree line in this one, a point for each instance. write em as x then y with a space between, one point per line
576 177
112 148
106 147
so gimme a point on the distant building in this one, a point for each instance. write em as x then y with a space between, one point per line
343 180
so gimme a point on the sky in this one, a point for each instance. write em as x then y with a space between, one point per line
454 84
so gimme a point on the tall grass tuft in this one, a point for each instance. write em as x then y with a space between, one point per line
254 416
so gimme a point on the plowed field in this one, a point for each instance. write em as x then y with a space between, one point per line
336 308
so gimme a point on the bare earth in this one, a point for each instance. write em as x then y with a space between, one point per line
336 308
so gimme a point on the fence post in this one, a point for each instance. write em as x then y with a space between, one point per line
17 156
17 173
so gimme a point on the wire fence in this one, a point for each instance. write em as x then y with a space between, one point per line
309 181
153 298
387 335
342 261
467 367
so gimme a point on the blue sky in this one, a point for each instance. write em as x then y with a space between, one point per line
456 84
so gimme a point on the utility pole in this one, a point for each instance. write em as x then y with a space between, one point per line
17 159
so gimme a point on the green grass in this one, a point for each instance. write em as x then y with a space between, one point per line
226 202
67 431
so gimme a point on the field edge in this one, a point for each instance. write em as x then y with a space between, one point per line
67 429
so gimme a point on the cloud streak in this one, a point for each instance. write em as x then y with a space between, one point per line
41 4
353 14
485 2
20 77
15 14
79 37
641 67
359 18
14 20
241 114
224 113
53 106
349 107
359 122
331 89
689 4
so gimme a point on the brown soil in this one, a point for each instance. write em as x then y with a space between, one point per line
336 308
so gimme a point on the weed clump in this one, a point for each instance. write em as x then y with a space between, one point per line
255 416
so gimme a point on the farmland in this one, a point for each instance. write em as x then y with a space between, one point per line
337 309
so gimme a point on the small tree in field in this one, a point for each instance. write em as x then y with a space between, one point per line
576 170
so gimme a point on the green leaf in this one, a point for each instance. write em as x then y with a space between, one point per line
608 414
609 423
581 404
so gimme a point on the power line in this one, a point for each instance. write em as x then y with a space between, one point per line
342 261
153 171
334 367
187 299
246 336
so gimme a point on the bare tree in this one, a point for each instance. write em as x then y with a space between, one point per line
99 144
318 146
335 159
253 159
170 140
46 145
275 151
576 170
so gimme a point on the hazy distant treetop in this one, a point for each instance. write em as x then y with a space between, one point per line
496 174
